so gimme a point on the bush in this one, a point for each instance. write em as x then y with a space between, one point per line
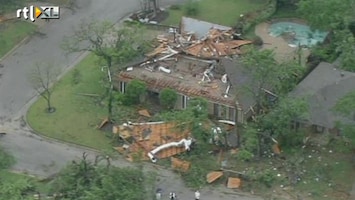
168 98
244 155
119 98
134 91
266 177
258 41
191 8
175 7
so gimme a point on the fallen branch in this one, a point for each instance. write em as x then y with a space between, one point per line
90 95
236 172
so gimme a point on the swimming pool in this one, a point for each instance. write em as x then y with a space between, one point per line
297 34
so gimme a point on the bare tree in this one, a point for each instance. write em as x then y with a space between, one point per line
42 77
107 42
147 5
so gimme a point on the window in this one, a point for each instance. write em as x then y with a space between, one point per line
231 114
184 101
122 87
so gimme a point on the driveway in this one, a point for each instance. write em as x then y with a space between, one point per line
42 157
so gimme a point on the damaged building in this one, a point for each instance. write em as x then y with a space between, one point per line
199 61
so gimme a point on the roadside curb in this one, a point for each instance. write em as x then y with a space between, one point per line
24 109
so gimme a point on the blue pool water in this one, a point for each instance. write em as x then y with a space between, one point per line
300 34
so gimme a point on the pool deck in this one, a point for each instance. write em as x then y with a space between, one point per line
283 52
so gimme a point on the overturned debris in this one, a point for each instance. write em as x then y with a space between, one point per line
144 138
213 176
180 165
234 183
144 113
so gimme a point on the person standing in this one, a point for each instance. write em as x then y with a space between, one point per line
197 195
158 194
172 196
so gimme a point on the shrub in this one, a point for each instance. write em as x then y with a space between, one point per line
191 8
119 98
244 155
168 98
258 41
266 177
134 91
175 7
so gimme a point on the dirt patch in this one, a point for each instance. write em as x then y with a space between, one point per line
161 16
283 52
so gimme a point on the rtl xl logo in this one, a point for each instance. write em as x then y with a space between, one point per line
42 12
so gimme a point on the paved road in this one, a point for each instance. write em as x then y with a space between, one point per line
42 157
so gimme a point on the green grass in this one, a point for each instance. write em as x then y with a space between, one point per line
224 12
9 177
76 117
12 33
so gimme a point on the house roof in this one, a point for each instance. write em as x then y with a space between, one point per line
239 79
198 27
322 88
185 77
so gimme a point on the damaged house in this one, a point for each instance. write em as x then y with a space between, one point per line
196 63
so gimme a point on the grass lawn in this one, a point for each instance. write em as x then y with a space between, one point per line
76 117
224 12
286 12
12 33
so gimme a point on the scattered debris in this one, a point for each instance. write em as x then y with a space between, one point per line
233 183
103 123
184 142
89 95
180 165
155 140
213 176
144 113
276 149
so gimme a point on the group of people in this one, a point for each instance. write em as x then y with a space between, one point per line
173 196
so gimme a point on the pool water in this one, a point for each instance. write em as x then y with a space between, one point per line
298 34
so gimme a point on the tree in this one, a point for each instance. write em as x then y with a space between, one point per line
338 18
108 43
190 118
146 6
346 105
287 111
268 75
134 91
87 180
327 15
42 77
168 98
